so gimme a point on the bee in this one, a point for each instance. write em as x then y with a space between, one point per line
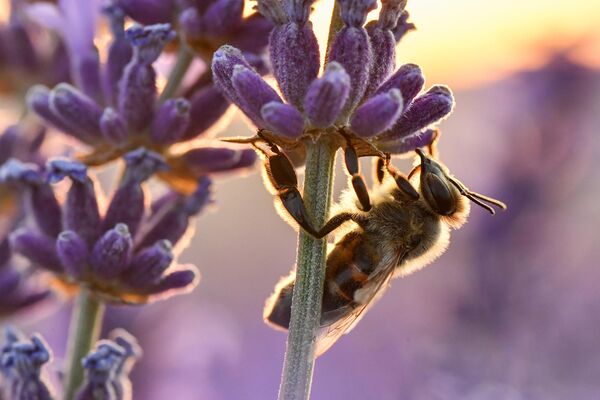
403 226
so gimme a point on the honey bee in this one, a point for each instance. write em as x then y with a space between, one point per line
403 226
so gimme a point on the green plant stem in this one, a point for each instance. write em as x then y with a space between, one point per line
310 274
184 60
86 321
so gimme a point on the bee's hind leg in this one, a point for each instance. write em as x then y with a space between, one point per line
282 177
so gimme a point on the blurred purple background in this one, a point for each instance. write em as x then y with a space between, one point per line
511 311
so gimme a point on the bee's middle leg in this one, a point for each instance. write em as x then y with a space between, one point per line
358 182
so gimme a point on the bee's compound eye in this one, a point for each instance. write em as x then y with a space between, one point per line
438 194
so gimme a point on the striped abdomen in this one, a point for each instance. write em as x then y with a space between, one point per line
348 267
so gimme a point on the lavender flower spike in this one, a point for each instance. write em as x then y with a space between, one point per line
21 362
378 114
138 85
327 96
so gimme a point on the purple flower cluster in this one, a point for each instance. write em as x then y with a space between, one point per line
128 114
23 61
124 256
21 361
108 366
357 89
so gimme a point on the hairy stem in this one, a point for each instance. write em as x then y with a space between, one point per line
84 331
184 59
310 275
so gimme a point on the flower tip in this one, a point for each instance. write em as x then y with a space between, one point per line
15 171
58 168
145 162
140 36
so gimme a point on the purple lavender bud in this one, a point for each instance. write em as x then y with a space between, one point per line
191 22
408 143
170 121
383 48
81 212
351 48
222 16
113 127
224 61
298 11
273 10
38 248
409 79
148 266
253 92
183 278
149 12
101 366
21 362
247 158
19 47
132 352
86 74
391 11
295 60
112 253
44 207
253 34
207 106
77 111
424 111
403 26
119 53
38 100
170 219
73 253
378 114
283 119
354 12
127 204
327 96
137 88
204 160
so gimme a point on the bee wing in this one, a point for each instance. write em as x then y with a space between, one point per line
348 316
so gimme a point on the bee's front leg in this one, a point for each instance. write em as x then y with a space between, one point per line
358 182
280 173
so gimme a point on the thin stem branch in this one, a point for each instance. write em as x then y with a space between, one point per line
86 321
310 275
299 361
184 60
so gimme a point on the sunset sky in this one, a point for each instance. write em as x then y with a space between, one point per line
466 42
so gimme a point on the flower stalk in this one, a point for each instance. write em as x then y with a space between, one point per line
84 331
310 274
182 64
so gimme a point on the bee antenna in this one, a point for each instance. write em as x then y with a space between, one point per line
477 198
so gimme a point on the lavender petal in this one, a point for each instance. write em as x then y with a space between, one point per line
112 253
73 253
378 114
295 59
38 248
327 96
283 119
170 121
426 110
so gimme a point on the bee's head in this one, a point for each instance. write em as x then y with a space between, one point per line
444 194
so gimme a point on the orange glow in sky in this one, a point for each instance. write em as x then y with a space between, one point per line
466 42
